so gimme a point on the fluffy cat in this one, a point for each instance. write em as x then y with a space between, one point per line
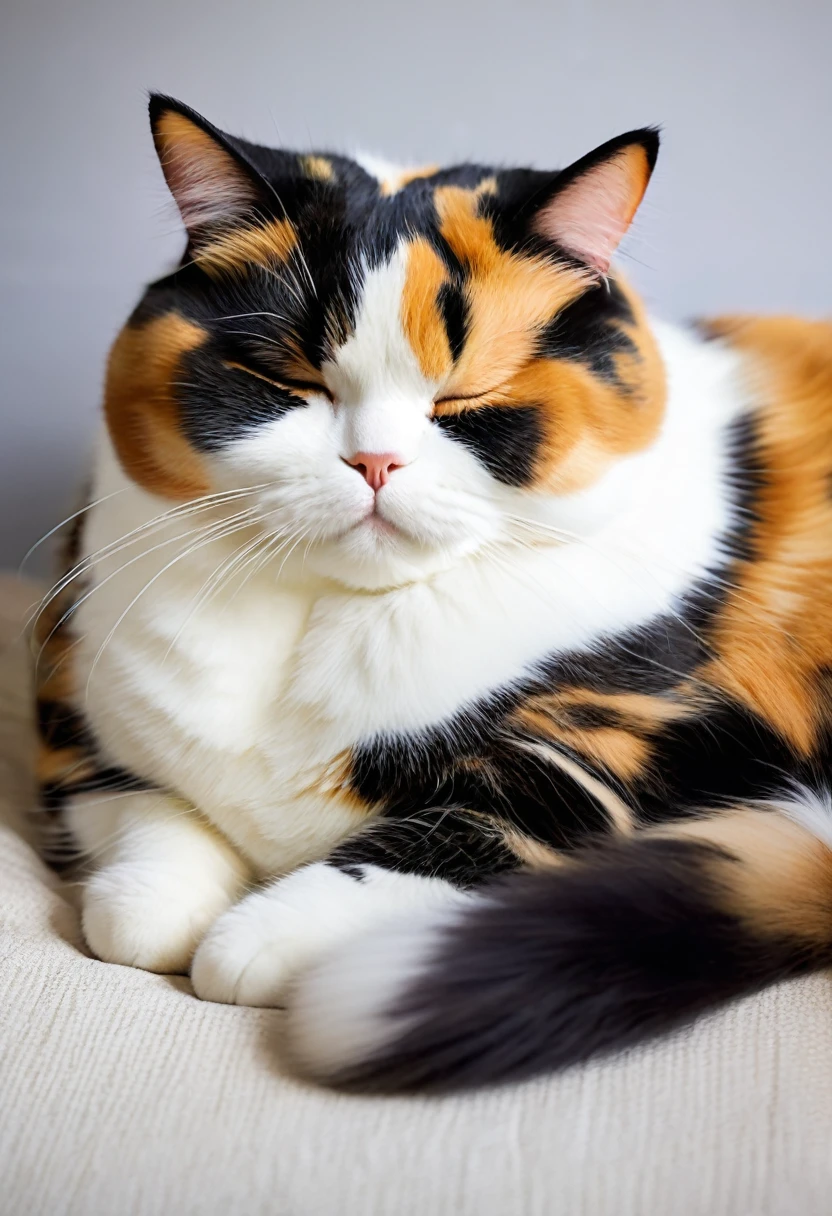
444 651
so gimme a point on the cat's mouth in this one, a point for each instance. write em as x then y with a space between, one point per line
373 523
378 525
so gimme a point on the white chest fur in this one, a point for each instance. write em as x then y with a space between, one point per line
245 699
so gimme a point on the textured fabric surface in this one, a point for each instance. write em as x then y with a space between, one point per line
122 1094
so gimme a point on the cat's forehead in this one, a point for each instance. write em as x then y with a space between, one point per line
374 200
415 283
450 297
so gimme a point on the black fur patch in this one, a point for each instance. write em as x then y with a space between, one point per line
589 330
218 403
748 477
453 306
504 438
473 763
445 844
723 755
59 726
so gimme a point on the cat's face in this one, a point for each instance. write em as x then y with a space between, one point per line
408 370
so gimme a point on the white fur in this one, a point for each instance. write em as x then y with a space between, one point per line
390 961
379 167
384 399
243 695
253 951
808 808
162 878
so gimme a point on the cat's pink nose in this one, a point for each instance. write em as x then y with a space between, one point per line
376 467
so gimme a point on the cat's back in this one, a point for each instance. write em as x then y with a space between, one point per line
788 365
790 359
774 636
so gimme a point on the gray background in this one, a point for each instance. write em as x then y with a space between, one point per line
737 217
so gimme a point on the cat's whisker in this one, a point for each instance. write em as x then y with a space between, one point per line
182 511
241 316
286 558
75 515
214 583
205 540
138 557
261 560
650 567
213 532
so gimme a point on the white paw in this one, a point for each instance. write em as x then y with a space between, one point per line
140 917
253 952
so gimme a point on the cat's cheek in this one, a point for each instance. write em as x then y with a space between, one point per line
251 954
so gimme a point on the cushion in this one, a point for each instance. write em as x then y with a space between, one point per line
122 1093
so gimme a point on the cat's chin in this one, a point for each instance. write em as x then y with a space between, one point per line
376 555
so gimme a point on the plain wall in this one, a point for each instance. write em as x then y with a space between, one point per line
737 216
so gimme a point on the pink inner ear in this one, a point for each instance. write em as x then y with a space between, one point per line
590 216
207 183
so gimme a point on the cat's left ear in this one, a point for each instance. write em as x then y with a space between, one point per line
593 202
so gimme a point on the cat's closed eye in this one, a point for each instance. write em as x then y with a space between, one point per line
288 384
455 398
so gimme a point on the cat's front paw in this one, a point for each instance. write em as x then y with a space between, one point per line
252 952
132 916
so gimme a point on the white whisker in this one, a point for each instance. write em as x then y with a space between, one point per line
205 540
183 511
75 514
214 530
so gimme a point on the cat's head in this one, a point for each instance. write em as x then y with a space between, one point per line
410 368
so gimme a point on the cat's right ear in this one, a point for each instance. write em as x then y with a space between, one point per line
210 179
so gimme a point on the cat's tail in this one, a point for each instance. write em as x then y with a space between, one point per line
549 968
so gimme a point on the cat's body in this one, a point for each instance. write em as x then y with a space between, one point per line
575 590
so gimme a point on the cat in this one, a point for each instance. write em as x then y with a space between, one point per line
444 648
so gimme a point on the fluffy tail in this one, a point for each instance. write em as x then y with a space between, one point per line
550 968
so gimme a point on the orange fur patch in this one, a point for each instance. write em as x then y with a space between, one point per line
774 637
644 712
781 879
509 296
421 320
587 421
620 751
268 245
333 783
532 853
63 765
392 185
318 167
142 415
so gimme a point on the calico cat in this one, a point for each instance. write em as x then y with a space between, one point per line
445 648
